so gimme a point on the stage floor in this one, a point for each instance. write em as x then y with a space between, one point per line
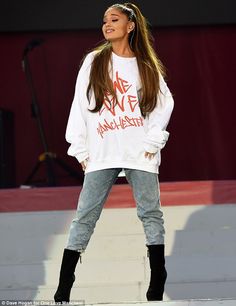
172 193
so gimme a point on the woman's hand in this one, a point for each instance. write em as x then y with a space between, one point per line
84 164
149 155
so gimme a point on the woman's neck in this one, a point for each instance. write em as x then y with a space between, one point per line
122 50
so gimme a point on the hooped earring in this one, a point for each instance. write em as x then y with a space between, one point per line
131 38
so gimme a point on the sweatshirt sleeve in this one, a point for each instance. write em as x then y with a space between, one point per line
76 130
158 119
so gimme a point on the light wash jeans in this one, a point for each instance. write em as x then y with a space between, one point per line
96 188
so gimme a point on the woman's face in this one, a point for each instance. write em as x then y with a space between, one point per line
116 25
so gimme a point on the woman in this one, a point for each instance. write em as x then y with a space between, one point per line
118 122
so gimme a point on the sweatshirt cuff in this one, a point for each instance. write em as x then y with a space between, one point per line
153 143
82 156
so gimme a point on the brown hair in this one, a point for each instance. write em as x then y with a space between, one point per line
149 65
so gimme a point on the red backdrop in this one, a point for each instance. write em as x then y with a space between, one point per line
201 66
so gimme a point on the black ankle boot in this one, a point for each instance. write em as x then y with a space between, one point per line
67 277
158 272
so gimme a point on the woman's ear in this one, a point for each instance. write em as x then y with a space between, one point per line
131 27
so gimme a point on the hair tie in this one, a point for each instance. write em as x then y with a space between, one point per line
126 9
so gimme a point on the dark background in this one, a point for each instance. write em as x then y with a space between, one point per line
196 41
44 15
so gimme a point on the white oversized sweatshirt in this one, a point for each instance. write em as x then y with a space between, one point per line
117 136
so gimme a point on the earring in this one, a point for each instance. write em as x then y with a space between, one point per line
131 36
